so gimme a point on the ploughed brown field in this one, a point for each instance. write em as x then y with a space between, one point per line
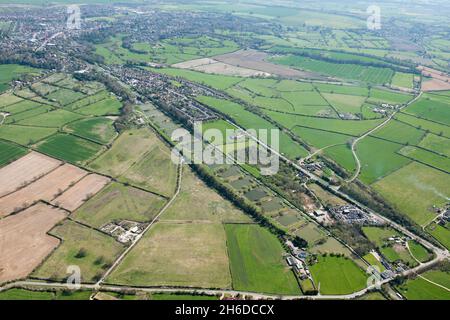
24 241
46 188
208 65
439 81
73 198
256 60
23 171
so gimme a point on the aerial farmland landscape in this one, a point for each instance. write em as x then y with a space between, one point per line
224 150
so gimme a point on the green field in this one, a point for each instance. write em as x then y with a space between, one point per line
400 132
178 254
378 96
65 96
349 127
433 127
29 114
8 99
197 202
401 189
87 248
249 120
18 106
25 135
429 158
403 80
107 107
126 150
442 234
420 289
337 275
378 159
330 246
54 119
9 72
69 148
99 129
257 263
10 152
431 107
23 294
436 143
155 171
118 202
367 74
165 51
419 252
343 156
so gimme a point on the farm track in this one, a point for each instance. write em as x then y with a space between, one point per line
155 219
381 125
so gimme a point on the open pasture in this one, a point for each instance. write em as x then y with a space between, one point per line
155 171
178 254
31 113
257 263
88 100
436 143
434 127
8 99
403 80
197 202
25 135
106 107
65 96
441 233
126 150
401 188
429 158
19 106
54 119
419 252
378 159
349 127
119 202
338 275
400 132
420 289
99 129
431 107
87 248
